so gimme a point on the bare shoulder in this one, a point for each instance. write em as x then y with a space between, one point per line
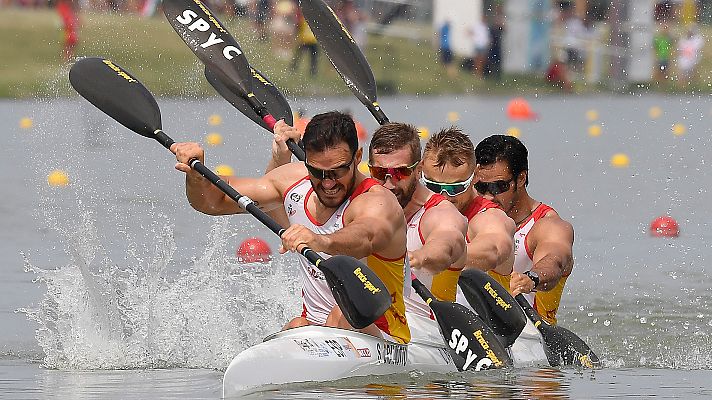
377 201
284 176
492 218
445 215
552 226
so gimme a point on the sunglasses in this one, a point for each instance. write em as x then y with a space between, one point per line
451 189
331 174
493 188
396 174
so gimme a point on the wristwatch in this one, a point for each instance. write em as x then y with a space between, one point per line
533 276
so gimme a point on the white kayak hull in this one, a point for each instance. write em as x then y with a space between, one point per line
320 354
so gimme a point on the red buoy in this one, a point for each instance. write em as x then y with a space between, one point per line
664 226
254 250
518 108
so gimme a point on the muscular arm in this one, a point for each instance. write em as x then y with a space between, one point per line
551 241
373 223
491 242
207 198
443 229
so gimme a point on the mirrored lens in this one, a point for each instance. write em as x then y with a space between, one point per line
493 188
397 173
333 174
450 190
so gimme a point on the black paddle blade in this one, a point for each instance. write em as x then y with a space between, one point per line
472 344
263 89
359 292
343 53
565 347
493 304
117 93
210 41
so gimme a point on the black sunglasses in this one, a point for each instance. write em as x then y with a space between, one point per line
331 174
493 188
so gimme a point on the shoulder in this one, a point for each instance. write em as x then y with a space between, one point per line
552 225
285 176
444 214
492 216
376 199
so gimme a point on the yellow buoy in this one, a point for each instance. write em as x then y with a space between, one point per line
423 132
58 178
26 123
592 115
620 160
214 120
363 167
514 131
453 116
655 112
594 130
224 170
679 129
213 139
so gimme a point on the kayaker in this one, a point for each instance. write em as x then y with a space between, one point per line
436 230
543 241
332 208
448 168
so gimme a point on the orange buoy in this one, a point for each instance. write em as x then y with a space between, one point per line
664 226
301 124
518 108
254 250
361 132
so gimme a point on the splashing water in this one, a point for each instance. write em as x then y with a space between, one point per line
97 315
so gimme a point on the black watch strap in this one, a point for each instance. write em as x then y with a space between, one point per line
533 276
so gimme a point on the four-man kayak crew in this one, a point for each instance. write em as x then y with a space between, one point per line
448 168
332 208
543 241
436 230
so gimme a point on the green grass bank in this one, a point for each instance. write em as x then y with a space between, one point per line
32 66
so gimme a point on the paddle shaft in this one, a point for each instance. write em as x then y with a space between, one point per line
262 111
528 310
245 202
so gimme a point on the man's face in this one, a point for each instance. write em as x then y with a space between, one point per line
498 178
450 174
391 170
332 173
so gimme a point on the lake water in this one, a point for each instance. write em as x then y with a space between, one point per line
113 287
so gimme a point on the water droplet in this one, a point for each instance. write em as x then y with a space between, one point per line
643 320
606 322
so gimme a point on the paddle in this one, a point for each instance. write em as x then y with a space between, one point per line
471 343
494 304
562 345
264 90
359 292
219 51
566 345
344 54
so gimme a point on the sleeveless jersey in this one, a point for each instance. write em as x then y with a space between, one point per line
318 301
546 303
444 284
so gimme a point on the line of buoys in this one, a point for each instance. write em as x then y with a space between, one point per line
58 178
453 116
519 109
664 226
26 123
620 160
592 115
594 130
679 129
514 131
213 139
424 132
655 112
225 170
363 167
214 120
254 250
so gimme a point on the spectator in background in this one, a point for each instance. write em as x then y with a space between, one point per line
70 25
494 57
481 39
283 28
354 20
663 45
689 49
574 33
557 73
443 35
306 41
262 13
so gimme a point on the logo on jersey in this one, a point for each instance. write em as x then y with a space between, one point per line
295 197
290 210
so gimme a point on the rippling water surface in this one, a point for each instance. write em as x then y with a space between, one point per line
113 287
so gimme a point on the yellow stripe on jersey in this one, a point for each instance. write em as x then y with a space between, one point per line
445 285
391 272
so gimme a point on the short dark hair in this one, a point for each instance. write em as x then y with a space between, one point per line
328 130
451 146
394 136
504 148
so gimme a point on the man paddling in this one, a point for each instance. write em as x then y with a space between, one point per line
436 230
332 208
543 241
448 168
